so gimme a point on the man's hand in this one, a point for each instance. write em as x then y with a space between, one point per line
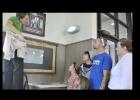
106 77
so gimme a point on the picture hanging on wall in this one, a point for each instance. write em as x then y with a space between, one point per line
40 56
36 24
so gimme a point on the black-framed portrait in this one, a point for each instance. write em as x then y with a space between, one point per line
40 57
36 24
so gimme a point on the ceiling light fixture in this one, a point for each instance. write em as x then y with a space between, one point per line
112 24
73 29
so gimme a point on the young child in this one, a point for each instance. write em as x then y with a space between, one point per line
82 83
86 65
73 77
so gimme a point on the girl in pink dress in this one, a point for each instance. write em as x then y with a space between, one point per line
73 77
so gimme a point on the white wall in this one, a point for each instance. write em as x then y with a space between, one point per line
85 21
57 23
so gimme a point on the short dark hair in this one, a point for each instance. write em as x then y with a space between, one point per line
21 15
87 52
126 43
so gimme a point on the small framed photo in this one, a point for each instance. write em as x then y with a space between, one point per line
36 24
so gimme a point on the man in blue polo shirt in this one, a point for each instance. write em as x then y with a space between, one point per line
102 64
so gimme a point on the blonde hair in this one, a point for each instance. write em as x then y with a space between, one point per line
84 83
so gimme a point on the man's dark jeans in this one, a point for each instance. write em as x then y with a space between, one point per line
13 73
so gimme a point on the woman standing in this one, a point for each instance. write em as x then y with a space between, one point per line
121 74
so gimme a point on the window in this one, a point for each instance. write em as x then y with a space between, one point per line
118 25
110 49
107 24
122 32
132 19
122 17
112 14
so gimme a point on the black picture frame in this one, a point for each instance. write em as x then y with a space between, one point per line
48 64
36 24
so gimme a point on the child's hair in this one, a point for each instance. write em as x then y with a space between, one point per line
74 63
77 68
86 52
84 83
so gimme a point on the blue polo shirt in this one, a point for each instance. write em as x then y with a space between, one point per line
100 62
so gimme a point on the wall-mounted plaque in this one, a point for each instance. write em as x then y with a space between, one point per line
40 57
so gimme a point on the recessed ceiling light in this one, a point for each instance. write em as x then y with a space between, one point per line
33 53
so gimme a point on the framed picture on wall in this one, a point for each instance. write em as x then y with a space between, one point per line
40 57
36 24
